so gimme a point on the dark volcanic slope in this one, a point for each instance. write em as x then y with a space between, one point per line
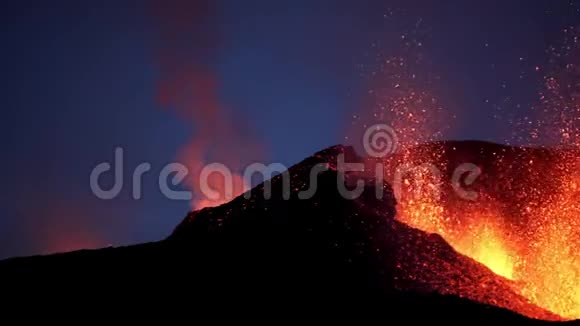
361 235
326 253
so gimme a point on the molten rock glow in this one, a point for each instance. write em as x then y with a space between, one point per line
529 235
524 223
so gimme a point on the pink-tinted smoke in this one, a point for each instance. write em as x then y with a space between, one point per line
186 44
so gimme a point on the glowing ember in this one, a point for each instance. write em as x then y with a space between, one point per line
525 223
552 263
533 242
479 239
487 246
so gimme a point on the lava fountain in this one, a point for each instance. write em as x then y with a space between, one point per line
530 236
522 218
523 223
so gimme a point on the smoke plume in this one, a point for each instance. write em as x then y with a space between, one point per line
186 46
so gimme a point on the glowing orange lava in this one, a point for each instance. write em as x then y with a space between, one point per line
541 256
479 237
525 223
485 244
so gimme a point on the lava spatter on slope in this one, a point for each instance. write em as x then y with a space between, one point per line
291 254
362 232
523 224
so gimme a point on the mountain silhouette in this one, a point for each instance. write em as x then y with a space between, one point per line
325 255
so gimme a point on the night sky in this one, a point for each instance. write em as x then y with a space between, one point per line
78 80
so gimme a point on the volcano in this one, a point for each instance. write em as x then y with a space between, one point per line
326 254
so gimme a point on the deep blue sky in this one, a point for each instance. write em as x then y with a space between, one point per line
78 80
